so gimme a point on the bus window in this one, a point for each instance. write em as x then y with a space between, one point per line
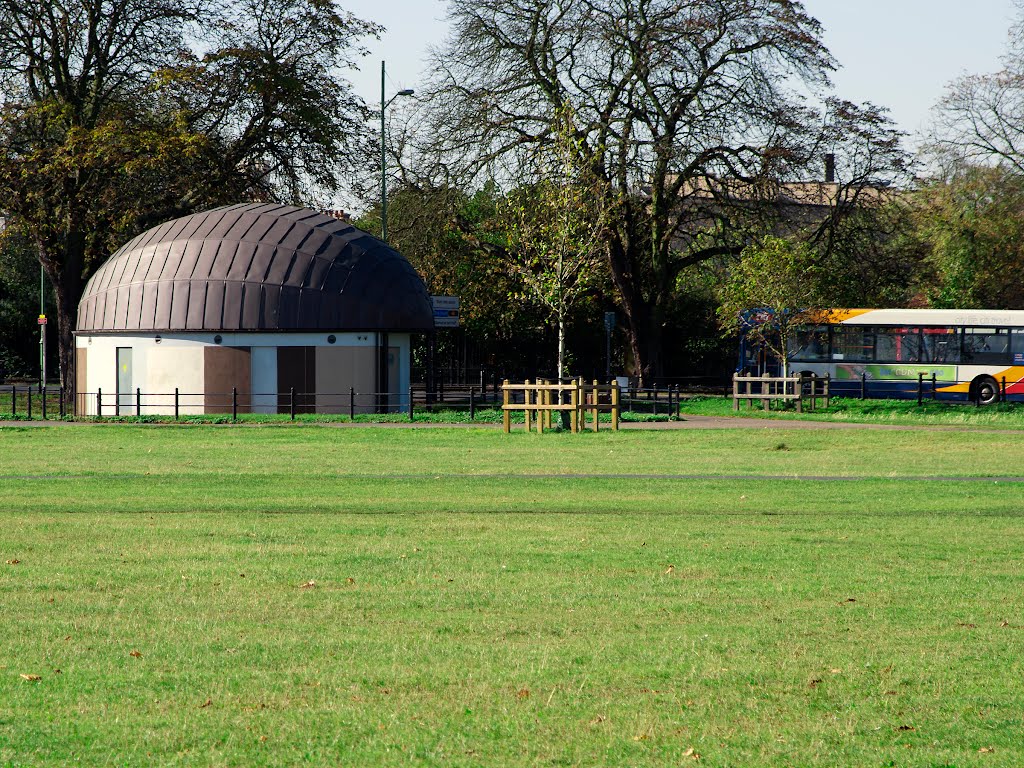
941 345
1017 345
809 345
897 345
853 343
986 346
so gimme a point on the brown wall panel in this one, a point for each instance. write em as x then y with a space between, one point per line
80 381
224 368
296 368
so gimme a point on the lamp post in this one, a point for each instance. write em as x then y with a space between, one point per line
383 159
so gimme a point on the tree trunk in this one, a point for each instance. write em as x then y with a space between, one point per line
634 307
66 279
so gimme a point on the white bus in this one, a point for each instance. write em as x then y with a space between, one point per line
975 354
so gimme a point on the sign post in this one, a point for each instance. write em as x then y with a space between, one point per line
446 315
446 311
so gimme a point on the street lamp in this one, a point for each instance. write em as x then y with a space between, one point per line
383 160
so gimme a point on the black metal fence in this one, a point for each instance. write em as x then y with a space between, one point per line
35 403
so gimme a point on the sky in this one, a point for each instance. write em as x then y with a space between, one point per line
899 54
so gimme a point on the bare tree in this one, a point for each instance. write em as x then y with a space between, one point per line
981 117
688 111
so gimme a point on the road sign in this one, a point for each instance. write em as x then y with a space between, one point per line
446 311
42 320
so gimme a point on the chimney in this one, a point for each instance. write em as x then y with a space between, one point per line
830 168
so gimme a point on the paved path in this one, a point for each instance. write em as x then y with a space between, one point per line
689 421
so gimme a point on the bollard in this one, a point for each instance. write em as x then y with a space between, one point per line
138 401
14 401
99 401
863 385
920 388
472 402
411 415
175 403
1002 392
42 391
933 386
615 404
60 401
351 403
291 402
28 391
234 403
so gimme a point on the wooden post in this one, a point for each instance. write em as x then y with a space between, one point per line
506 414
548 400
526 402
541 399
594 393
766 389
828 379
735 391
798 390
574 401
615 404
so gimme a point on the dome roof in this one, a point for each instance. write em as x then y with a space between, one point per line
255 267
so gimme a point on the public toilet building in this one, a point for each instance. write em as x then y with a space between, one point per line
259 300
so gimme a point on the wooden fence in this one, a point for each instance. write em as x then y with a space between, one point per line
800 389
541 399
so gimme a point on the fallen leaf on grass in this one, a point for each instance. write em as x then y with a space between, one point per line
814 683
206 703
350 580
523 693
836 671
136 654
986 750
965 624
308 585
13 562
598 720
906 728
32 678
692 754
670 570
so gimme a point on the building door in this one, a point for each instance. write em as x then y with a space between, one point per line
125 397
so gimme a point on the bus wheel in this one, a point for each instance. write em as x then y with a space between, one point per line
985 390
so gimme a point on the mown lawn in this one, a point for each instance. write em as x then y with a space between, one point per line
320 596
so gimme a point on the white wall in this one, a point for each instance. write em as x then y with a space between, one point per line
264 379
177 361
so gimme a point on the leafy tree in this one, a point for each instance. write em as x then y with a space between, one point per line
972 225
118 114
553 229
19 305
773 289
686 110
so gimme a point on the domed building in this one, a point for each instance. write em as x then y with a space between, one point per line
262 299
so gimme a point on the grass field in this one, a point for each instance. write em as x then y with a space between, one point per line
846 409
316 596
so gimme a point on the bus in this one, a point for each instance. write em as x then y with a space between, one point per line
974 354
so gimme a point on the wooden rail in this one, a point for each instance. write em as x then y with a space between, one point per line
543 398
799 389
